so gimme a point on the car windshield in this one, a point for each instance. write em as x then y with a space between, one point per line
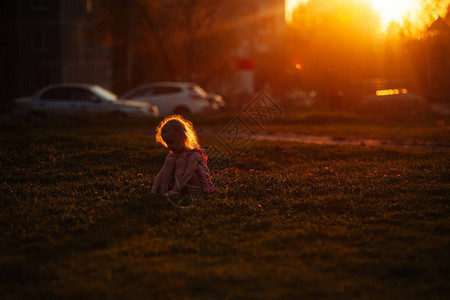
104 93
198 90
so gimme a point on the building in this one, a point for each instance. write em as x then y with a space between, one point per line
262 27
45 42
437 44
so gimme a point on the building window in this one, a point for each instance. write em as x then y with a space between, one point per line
40 40
40 5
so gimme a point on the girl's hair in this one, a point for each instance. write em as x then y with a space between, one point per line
181 127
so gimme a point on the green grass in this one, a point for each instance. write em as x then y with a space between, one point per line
286 221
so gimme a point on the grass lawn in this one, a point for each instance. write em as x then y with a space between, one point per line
287 220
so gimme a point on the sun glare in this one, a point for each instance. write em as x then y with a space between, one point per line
290 6
394 10
388 10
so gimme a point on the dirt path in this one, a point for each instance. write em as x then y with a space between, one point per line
329 140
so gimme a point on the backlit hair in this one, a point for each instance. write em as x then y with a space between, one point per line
181 127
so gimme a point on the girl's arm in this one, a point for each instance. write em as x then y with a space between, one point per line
157 183
192 164
156 188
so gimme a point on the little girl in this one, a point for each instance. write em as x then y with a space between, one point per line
185 166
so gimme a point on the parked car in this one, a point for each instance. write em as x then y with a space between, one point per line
298 98
72 99
216 101
172 97
401 102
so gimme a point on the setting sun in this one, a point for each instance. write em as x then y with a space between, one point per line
394 10
387 10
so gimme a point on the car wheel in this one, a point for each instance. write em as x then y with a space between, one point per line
181 110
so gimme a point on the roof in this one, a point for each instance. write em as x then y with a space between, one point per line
439 25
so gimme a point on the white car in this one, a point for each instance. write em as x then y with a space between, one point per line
172 97
216 101
73 99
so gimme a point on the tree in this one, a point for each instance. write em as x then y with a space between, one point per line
182 40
